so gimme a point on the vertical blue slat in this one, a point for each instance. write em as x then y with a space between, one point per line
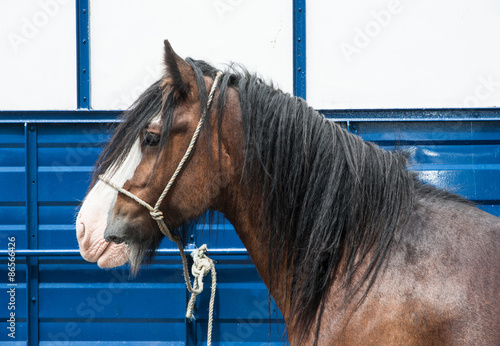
352 127
83 54
299 48
32 227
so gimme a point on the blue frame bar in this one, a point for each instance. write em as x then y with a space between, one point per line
404 114
411 114
159 252
31 163
299 48
50 117
83 54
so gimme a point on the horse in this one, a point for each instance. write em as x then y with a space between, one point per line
353 248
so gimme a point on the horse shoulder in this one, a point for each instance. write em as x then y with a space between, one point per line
440 285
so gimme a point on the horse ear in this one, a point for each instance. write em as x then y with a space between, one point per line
178 72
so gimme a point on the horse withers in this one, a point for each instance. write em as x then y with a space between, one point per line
354 249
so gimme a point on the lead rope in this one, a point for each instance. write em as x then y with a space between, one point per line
202 263
201 266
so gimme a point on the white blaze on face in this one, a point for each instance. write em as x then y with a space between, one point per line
93 216
156 120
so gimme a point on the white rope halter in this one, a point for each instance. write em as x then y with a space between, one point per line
202 263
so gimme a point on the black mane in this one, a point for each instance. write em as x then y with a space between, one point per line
331 200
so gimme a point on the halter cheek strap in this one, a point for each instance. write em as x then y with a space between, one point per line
202 264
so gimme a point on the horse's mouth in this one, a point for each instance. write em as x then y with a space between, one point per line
113 255
116 240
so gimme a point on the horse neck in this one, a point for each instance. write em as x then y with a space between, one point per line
244 215
242 205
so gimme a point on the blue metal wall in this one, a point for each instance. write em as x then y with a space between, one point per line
45 164
45 170
44 173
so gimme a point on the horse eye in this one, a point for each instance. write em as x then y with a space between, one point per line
150 139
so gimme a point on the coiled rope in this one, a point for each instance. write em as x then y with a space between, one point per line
202 263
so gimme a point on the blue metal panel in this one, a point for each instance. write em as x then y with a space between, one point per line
12 185
463 156
21 323
60 158
13 218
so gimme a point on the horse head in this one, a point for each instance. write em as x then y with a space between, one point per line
141 158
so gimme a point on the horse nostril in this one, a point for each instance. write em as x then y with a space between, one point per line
80 228
113 238
117 230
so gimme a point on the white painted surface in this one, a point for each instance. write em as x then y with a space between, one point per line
425 54
408 54
37 55
127 41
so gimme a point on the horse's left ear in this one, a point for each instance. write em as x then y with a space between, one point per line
179 73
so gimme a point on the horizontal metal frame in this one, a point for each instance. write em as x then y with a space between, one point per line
368 115
411 114
159 252
51 117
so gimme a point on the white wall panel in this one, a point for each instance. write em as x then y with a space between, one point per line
408 54
127 41
37 55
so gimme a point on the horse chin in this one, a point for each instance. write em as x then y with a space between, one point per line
140 253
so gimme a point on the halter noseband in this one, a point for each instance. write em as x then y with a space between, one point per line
202 264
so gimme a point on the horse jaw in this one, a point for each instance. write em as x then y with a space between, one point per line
92 218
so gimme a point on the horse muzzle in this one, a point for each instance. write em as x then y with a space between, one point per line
119 230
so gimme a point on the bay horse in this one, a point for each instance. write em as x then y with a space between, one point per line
354 249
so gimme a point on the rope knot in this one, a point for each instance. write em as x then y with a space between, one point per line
202 265
157 215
